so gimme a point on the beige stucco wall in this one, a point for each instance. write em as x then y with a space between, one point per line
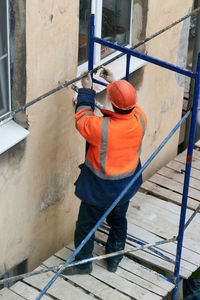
160 93
46 170
42 170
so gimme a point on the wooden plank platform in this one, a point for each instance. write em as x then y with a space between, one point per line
153 215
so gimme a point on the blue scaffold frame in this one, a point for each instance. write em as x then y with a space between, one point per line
196 76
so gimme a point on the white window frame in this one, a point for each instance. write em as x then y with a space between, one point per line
10 132
7 56
135 63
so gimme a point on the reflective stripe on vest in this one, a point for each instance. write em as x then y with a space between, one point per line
103 150
104 136
143 130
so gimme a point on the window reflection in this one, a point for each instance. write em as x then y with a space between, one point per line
84 20
115 23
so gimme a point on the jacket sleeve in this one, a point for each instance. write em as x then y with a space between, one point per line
87 123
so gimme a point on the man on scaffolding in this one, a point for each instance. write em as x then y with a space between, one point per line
112 160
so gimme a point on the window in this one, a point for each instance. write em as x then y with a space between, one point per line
112 22
16 270
5 103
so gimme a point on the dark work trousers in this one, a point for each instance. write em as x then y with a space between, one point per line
88 217
191 288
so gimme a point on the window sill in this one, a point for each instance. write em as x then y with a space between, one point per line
118 67
10 134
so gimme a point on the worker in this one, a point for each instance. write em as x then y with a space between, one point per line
112 160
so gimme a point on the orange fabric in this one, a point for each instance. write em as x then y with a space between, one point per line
124 138
122 94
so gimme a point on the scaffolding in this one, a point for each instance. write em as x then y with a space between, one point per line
182 225
171 67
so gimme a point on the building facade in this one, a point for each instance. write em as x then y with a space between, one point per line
45 43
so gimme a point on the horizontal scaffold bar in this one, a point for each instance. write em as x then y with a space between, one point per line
145 57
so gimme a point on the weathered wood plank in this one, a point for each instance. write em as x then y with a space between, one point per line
173 185
128 288
178 177
195 158
166 205
27 291
178 166
197 144
87 282
164 225
148 237
61 289
168 195
147 257
184 264
6 294
122 272
134 268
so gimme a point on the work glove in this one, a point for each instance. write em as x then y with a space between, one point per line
85 98
107 75
86 81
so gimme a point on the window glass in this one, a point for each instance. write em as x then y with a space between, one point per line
115 27
3 28
3 86
115 23
84 20
4 97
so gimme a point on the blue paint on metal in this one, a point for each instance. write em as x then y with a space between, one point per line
152 249
187 178
114 204
99 82
128 59
145 57
91 44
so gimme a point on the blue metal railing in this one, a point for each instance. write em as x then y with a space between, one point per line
176 69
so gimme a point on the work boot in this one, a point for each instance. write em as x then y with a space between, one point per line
77 270
111 268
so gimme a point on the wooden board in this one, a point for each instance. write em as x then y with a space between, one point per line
195 158
129 275
27 292
169 248
87 282
166 194
121 284
178 177
166 205
179 166
61 289
6 294
174 186
147 257
133 267
164 225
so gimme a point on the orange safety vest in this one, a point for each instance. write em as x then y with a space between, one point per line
115 141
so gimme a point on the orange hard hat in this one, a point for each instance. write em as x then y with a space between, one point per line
122 94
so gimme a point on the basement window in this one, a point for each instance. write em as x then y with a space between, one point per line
17 270
113 22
